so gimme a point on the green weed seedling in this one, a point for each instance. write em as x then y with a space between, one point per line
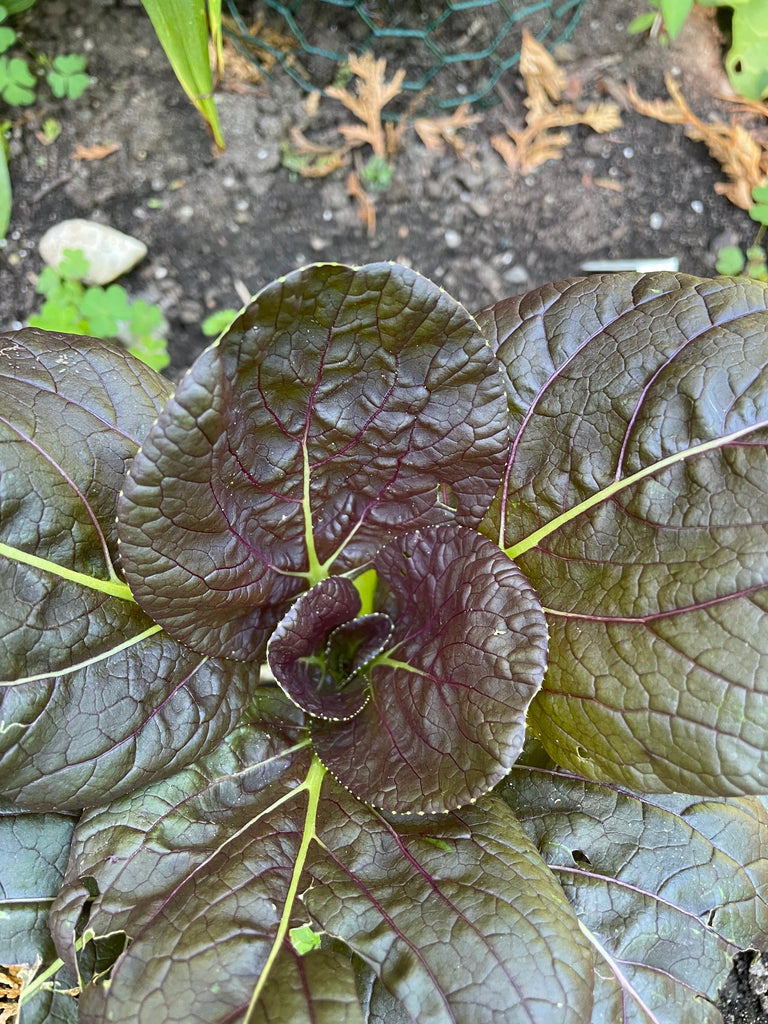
733 261
73 308
65 76
377 174
218 322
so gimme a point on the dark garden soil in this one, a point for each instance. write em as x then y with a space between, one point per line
216 227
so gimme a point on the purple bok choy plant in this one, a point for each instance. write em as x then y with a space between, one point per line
397 665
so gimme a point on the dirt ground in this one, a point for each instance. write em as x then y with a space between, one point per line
217 227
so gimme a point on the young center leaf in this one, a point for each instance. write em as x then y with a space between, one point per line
668 888
449 693
342 408
94 698
635 502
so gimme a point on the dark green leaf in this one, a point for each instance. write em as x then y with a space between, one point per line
636 504
668 888
449 695
343 407
315 989
457 915
33 855
199 878
95 699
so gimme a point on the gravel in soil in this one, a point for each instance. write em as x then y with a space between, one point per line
216 227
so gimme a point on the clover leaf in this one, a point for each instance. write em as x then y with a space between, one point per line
67 76
17 83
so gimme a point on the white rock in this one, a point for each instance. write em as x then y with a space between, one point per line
109 252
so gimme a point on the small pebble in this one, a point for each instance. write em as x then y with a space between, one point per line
697 206
656 220
109 252
452 239
516 275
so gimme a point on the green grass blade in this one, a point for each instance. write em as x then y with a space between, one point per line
182 28
5 190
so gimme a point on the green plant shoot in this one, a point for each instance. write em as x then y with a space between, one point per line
184 28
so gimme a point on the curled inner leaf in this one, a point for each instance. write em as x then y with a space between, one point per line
448 697
317 650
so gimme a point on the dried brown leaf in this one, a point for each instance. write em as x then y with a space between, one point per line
610 184
544 80
742 157
371 95
527 149
250 67
13 977
315 160
95 152
542 139
366 211
601 117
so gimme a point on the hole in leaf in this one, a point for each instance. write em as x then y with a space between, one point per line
581 859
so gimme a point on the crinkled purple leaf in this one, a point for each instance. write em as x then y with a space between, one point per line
636 503
94 698
92 734
669 888
319 645
318 988
446 718
459 917
344 406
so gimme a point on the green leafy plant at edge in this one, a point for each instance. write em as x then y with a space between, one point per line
65 76
218 322
732 260
72 307
747 59
397 664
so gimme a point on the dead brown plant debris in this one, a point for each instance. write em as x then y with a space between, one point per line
435 132
311 159
742 156
13 977
366 211
372 93
543 138
243 69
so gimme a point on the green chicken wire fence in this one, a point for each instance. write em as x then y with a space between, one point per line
454 51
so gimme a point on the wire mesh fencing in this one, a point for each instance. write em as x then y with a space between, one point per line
453 51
